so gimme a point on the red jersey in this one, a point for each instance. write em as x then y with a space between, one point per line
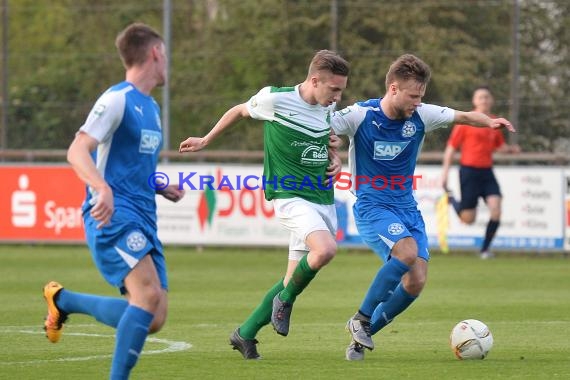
476 144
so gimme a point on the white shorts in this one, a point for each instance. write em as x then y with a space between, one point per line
301 217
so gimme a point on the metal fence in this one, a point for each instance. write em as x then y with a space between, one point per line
240 156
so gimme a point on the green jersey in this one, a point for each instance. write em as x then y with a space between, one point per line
296 138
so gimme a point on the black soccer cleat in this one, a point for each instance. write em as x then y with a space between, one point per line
247 347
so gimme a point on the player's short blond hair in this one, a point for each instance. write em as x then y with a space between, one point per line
406 67
133 43
327 60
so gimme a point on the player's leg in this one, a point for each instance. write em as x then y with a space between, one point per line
386 234
161 311
384 285
412 282
261 316
243 338
402 297
108 310
322 248
145 299
470 191
492 195
316 224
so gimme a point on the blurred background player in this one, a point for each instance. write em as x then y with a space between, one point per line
296 137
386 136
114 153
476 175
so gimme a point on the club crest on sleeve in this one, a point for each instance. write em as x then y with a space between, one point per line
99 109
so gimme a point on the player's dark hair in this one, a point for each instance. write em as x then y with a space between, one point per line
133 43
406 67
327 60
482 87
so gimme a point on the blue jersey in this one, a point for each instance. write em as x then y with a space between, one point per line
126 123
383 152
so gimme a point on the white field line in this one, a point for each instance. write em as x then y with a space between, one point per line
171 346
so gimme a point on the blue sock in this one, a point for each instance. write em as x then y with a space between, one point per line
387 311
131 334
107 310
385 281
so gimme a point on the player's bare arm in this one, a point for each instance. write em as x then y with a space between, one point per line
479 119
79 156
194 144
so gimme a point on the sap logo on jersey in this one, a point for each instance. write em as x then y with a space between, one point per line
388 150
150 141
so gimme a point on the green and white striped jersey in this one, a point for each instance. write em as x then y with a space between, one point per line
296 137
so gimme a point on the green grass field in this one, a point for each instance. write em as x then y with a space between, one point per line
524 300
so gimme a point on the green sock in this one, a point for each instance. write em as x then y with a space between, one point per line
302 275
261 316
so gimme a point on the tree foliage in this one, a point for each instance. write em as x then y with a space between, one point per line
62 56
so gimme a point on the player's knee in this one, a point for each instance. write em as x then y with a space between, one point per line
148 297
467 217
415 284
495 213
323 254
406 250
328 253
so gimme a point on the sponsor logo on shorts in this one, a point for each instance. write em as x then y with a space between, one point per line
136 241
395 229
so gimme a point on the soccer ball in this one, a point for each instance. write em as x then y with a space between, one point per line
471 339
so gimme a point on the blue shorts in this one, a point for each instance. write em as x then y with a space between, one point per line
119 246
475 183
381 228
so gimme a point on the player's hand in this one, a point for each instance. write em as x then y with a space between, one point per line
334 168
172 193
104 208
502 123
335 142
443 181
192 144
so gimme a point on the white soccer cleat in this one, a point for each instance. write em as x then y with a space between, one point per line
360 332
